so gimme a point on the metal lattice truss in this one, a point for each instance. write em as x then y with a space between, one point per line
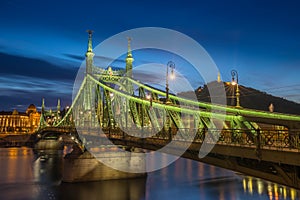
110 101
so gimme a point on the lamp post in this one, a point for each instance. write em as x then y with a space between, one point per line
171 65
236 82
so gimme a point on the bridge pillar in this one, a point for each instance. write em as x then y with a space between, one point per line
82 167
48 145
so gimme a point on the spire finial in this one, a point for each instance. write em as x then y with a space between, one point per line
219 77
129 59
58 102
89 54
43 104
58 106
90 45
90 32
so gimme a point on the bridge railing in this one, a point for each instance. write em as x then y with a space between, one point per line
279 140
270 139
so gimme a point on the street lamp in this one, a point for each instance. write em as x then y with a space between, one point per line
236 82
171 65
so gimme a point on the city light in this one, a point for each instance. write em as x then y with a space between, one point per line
148 96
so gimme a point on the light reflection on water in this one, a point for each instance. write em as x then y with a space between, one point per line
28 175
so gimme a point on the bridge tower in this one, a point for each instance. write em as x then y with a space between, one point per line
42 123
89 55
43 105
128 70
129 60
89 69
58 108
131 107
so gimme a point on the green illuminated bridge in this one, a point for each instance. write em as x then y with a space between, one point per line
129 113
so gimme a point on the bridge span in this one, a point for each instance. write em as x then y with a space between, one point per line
272 155
108 102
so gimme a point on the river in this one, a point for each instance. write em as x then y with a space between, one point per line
25 174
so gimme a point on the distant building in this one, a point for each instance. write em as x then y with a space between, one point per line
19 122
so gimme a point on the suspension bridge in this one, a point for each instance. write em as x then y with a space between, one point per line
112 104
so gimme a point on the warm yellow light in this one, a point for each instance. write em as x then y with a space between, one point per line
284 193
244 185
233 83
260 187
148 96
293 194
172 76
250 185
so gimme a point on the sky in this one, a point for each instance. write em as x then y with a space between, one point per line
42 43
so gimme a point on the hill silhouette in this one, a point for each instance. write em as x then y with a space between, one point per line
249 98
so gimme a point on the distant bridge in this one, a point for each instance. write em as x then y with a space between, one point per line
257 143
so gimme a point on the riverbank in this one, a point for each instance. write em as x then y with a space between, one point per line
17 140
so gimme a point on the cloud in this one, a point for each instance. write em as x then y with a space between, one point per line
17 65
75 57
155 76
28 85
147 77
26 80
98 60
16 90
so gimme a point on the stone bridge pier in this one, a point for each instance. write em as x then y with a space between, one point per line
85 166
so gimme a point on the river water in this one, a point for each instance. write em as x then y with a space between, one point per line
25 174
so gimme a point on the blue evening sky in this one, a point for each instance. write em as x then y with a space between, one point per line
42 43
